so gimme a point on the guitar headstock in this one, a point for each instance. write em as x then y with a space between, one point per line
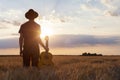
46 38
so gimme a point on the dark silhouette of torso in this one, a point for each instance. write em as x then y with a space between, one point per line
31 33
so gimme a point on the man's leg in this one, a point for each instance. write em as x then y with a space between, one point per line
26 60
35 60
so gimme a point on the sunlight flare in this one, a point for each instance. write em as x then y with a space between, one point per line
46 27
46 31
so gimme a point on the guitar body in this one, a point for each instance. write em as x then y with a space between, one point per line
46 57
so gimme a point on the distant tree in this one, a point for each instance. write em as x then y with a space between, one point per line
90 54
84 54
100 55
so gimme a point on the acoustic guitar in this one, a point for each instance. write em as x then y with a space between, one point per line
46 56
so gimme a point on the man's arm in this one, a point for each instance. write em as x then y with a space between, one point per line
41 43
21 43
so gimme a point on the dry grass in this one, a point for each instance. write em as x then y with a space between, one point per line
66 68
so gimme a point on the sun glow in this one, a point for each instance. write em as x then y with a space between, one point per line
46 28
46 31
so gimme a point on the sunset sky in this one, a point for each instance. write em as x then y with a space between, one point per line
74 26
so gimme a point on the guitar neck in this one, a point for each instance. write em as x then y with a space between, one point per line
47 43
47 38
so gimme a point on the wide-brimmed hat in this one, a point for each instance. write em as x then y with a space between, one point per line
31 14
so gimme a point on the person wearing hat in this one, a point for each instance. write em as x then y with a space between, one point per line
30 39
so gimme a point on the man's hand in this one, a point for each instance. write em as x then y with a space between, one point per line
21 53
21 44
47 49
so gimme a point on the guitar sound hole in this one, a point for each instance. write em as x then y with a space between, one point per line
46 57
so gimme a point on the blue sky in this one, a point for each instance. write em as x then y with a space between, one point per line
91 16
79 16
85 18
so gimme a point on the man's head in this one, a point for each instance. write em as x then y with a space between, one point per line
31 14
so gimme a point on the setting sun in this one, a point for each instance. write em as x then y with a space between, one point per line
46 31
46 27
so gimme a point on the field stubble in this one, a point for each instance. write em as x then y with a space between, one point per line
66 68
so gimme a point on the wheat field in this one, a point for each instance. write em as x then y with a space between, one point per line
65 68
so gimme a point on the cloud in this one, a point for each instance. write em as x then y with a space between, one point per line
68 41
56 17
15 34
89 7
16 22
104 7
11 16
82 40
112 13
3 27
9 43
113 7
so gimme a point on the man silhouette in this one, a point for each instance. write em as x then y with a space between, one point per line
30 39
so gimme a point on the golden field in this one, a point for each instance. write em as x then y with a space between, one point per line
65 68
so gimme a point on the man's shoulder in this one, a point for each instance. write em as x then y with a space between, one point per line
37 24
28 23
24 24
